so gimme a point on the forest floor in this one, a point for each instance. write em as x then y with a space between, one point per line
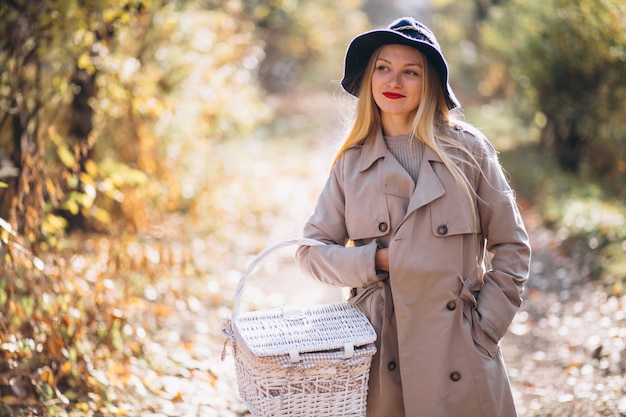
565 351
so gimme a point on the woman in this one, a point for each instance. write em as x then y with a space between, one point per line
420 222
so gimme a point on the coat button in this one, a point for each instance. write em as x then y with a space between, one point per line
442 230
455 376
451 305
392 366
383 227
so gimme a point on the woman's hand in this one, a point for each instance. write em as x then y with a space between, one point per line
381 259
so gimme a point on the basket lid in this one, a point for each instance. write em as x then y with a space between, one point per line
289 331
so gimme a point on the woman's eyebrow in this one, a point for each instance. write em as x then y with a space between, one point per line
410 64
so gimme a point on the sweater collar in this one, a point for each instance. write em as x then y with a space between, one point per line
376 149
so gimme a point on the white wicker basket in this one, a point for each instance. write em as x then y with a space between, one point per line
301 362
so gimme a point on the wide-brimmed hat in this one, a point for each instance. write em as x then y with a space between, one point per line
403 31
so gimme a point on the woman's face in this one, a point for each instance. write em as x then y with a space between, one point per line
397 82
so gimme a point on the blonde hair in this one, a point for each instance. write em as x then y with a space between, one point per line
432 120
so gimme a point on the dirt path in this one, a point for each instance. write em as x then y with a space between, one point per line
565 351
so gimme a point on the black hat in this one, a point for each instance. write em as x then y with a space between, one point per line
404 31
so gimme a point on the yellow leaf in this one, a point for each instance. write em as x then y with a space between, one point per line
52 224
50 187
83 406
212 378
11 400
71 206
66 156
66 368
84 61
47 376
101 215
54 136
178 397
92 168
86 178
109 15
118 411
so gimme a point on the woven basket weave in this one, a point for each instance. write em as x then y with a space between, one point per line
301 362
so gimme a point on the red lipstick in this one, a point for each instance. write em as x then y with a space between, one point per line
393 96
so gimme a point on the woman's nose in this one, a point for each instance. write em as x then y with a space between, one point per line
395 79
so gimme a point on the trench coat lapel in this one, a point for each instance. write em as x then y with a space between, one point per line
429 186
394 179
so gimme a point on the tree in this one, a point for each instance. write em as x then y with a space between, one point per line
101 106
568 58
48 54
303 40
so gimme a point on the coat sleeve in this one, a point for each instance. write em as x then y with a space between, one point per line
335 263
506 240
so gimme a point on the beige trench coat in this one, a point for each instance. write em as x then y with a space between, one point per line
442 309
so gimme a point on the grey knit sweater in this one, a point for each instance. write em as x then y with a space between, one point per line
408 151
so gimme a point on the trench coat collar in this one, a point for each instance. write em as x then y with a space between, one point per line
428 187
375 149
372 151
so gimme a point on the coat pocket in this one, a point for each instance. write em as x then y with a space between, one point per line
484 343
373 221
452 216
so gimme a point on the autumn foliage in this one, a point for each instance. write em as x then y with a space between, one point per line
102 108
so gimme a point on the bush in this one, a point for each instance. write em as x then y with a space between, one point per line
567 59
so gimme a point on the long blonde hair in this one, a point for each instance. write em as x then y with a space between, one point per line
432 121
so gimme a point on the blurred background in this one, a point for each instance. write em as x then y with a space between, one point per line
149 148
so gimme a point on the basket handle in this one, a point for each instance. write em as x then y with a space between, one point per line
259 258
